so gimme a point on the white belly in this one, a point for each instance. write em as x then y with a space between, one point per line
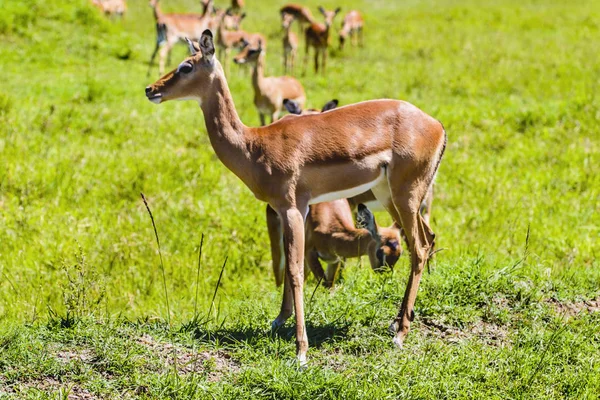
344 194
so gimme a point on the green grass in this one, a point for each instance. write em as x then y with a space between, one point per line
82 304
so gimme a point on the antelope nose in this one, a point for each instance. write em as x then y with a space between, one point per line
148 90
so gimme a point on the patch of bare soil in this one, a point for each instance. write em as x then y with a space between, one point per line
51 385
575 308
213 363
490 333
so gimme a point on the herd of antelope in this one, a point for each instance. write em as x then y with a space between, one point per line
315 169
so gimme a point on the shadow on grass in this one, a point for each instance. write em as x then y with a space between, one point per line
317 334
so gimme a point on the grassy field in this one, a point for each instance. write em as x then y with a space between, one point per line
509 308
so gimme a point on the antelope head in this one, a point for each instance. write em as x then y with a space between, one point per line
152 3
329 15
286 20
385 250
249 54
192 78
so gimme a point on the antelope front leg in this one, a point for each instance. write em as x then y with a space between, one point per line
293 234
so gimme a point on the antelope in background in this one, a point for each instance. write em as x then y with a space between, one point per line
317 37
269 92
387 146
290 44
352 27
175 27
229 39
111 7
299 13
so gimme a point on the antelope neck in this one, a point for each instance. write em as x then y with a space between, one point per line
258 73
225 129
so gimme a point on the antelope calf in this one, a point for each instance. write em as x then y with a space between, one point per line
269 92
387 146
290 44
111 7
317 37
172 28
352 27
331 236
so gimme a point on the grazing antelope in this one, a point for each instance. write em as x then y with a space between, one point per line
290 45
388 146
299 13
269 92
330 235
317 36
352 27
172 28
111 7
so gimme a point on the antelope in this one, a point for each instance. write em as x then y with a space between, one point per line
269 92
388 146
111 7
352 27
317 36
290 44
330 235
172 28
227 39
299 13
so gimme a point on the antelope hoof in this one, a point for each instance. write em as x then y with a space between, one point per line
394 328
278 323
302 360
399 340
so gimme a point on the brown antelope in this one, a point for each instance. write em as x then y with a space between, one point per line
330 235
352 27
299 13
229 39
388 146
172 28
269 92
290 45
317 37
111 7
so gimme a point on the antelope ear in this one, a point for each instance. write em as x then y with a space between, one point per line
193 46
337 10
292 106
322 10
330 105
242 16
366 220
207 46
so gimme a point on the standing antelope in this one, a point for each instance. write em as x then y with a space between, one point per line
172 28
299 13
228 39
290 45
352 27
111 7
317 36
269 92
388 146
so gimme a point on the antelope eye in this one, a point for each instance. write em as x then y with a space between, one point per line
185 68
